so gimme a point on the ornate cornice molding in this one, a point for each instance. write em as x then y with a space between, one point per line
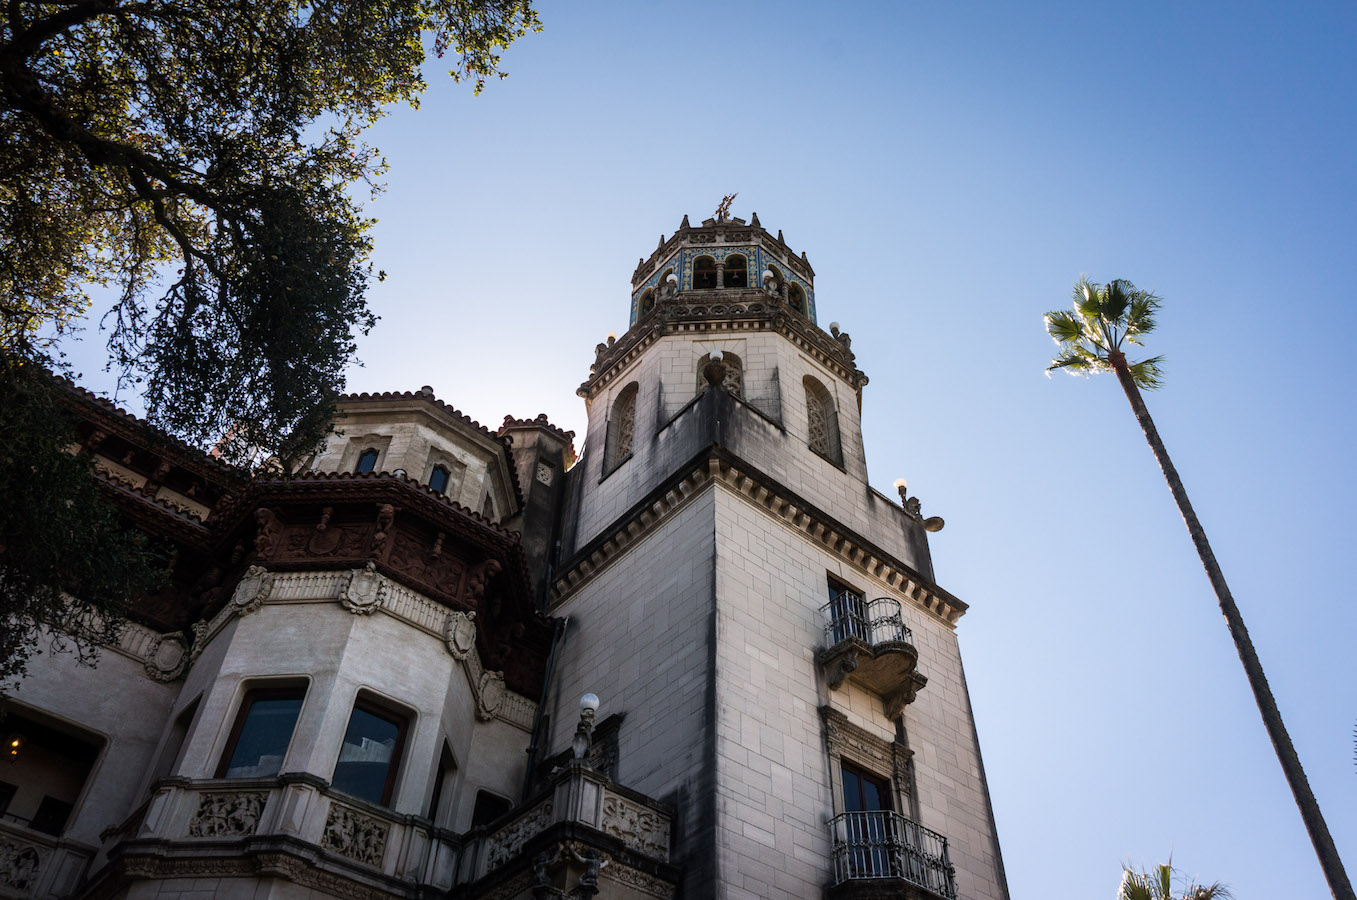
716 465
721 312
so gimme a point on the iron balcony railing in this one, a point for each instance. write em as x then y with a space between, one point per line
871 621
884 844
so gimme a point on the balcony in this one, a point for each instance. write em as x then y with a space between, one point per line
884 854
867 642
36 864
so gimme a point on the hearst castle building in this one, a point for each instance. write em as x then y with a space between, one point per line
703 659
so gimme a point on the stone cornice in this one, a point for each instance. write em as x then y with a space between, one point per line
719 313
716 465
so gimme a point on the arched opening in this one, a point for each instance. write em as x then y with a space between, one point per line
797 298
704 273
822 419
647 301
734 380
438 479
777 283
737 271
621 428
367 461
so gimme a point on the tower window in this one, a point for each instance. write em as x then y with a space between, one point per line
438 479
822 420
647 301
734 380
737 271
367 461
369 758
262 733
797 298
621 428
704 273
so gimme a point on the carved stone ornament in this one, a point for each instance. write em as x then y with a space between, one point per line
490 695
637 826
355 835
254 588
460 634
364 592
168 657
227 815
641 881
19 865
545 473
199 639
505 843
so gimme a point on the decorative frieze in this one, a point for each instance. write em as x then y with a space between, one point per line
234 814
639 827
641 881
20 864
505 843
355 835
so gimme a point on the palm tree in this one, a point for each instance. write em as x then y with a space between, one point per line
1091 338
1157 884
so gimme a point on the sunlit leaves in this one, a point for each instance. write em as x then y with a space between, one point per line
1090 337
196 155
1157 884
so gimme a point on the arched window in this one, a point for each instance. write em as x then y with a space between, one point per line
823 420
647 301
797 298
488 510
778 282
704 273
737 271
438 479
367 461
734 380
621 428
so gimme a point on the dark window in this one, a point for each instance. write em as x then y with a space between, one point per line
370 756
438 479
871 830
51 816
863 791
797 298
847 612
737 272
704 273
367 461
647 302
262 733
447 769
174 743
488 808
6 795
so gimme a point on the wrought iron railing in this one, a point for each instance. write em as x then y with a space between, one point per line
884 844
871 621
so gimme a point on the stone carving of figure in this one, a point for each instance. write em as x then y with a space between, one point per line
593 862
268 529
478 576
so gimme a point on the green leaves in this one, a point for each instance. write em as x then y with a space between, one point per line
196 155
1104 317
1157 884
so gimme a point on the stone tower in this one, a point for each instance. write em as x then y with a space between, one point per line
774 657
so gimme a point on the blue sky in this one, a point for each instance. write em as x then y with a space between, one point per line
951 169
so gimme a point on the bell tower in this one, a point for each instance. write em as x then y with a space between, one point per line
771 650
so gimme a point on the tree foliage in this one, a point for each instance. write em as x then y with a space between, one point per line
58 539
196 157
1157 884
1104 318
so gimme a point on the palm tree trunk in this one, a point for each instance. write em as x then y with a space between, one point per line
1267 706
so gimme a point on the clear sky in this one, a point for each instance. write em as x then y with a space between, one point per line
951 169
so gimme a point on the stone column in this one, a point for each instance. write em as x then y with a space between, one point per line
720 274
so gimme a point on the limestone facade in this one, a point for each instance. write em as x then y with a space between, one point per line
364 679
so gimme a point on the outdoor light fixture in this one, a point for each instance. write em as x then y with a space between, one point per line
584 732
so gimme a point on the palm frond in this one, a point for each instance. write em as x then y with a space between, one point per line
1116 297
1077 360
1146 374
1064 327
1140 317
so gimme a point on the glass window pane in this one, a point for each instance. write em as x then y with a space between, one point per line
367 460
439 479
264 736
367 756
